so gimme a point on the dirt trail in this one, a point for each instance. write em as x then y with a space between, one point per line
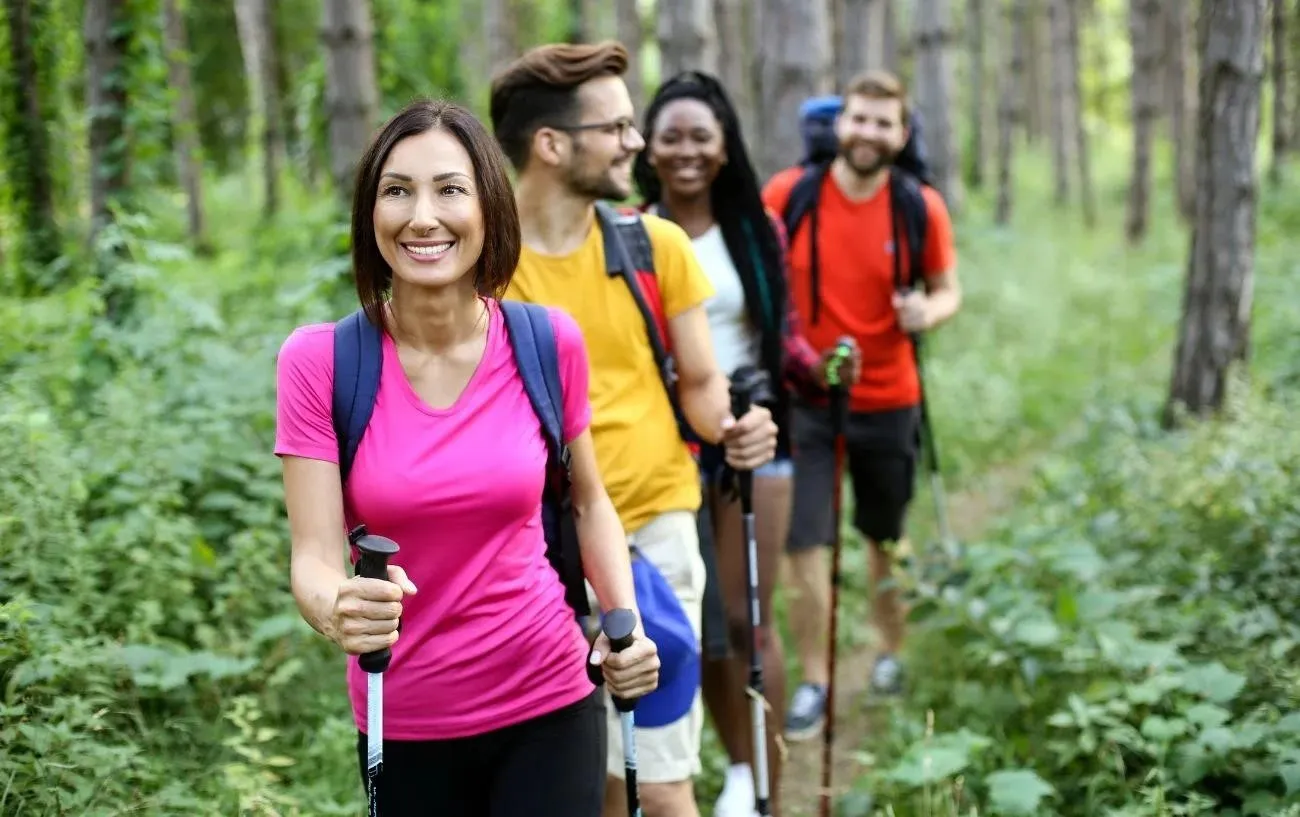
970 511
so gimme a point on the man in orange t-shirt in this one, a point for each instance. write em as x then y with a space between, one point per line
858 295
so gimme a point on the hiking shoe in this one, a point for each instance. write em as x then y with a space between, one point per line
887 676
807 712
737 797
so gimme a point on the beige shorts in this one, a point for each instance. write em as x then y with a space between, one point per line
667 754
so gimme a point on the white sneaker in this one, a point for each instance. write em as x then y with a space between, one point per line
737 797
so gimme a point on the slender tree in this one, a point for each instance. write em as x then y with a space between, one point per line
1217 299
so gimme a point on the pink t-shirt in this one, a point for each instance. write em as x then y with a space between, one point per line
488 641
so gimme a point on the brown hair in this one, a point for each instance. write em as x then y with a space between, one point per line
541 89
501 236
879 84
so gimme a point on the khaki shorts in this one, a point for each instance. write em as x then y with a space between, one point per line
667 754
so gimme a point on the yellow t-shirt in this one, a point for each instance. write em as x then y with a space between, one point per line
646 467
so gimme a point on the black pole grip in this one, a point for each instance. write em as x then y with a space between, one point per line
618 626
375 552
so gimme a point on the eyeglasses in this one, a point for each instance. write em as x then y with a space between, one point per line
621 127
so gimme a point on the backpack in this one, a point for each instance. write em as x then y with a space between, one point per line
910 221
817 127
358 359
630 255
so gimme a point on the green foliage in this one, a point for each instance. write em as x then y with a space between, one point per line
148 635
1126 643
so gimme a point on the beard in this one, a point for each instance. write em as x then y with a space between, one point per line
884 157
603 183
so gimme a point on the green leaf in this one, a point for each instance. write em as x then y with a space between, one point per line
1206 715
1213 682
1290 773
1037 632
1163 730
933 759
1017 791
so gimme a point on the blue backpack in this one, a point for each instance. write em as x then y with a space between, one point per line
358 360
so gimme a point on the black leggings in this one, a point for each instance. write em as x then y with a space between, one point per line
553 764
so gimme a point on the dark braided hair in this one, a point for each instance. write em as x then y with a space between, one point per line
736 201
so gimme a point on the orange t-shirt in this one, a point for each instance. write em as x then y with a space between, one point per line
856 272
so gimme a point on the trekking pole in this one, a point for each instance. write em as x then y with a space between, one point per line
932 454
839 406
745 384
373 564
618 626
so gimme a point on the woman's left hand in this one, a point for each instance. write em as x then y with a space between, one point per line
632 672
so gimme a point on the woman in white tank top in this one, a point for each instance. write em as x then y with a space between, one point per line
695 170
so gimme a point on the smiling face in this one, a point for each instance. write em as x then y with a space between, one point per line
600 163
688 148
871 132
428 218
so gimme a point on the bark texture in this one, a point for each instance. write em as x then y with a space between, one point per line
351 93
1220 273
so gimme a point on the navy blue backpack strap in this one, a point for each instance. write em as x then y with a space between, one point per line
532 339
358 361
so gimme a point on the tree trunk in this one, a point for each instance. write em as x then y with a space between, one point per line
733 55
593 21
631 32
975 18
105 34
351 94
1037 105
28 146
1082 155
1062 108
1010 102
855 38
794 64
185 124
1144 19
1220 273
502 33
1280 142
253 20
1182 109
106 43
1295 86
884 19
933 96
686 40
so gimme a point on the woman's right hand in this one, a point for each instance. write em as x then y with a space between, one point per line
367 611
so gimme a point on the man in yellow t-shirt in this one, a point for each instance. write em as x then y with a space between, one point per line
565 121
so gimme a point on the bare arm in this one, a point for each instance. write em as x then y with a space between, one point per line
943 297
358 614
704 391
601 538
701 386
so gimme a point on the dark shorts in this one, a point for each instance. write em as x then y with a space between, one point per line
881 450
557 759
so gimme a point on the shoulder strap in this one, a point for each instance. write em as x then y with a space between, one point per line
625 237
358 361
629 254
803 197
532 340
910 222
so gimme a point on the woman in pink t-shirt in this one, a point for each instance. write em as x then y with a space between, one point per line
488 709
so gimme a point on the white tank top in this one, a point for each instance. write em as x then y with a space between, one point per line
735 343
